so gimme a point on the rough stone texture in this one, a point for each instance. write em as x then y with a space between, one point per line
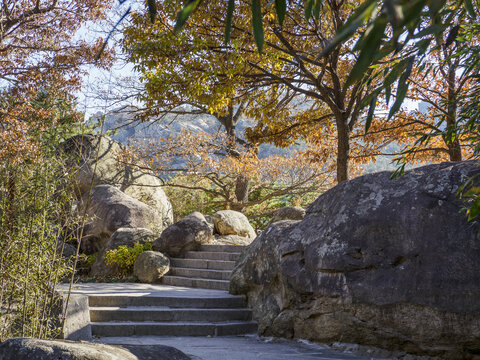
123 236
109 210
185 235
230 240
29 349
77 321
229 222
150 266
387 263
209 220
288 213
66 250
106 169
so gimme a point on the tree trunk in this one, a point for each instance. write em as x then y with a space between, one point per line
453 144
242 190
343 149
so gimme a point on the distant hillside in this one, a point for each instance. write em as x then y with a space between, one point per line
126 131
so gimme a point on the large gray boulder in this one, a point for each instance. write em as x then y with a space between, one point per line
94 158
150 266
389 263
121 237
184 235
229 222
35 349
108 210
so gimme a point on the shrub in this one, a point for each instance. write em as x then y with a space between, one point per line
124 256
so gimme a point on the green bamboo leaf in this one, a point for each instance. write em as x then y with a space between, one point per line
371 111
369 47
474 210
281 9
388 94
228 26
434 6
308 8
432 29
356 20
317 8
402 88
185 13
257 24
470 9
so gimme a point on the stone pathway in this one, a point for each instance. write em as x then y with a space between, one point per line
191 311
238 348
131 309
208 268
199 347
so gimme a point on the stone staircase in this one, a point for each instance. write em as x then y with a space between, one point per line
208 268
195 302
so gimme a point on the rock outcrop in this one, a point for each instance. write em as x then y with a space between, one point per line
121 237
108 210
229 222
184 235
150 266
94 159
29 349
388 263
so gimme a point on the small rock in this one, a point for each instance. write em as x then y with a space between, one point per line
186 234
229 222
150 266
196 215
288 213
231 240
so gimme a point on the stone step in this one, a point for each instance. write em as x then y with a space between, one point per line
109 329
202 264
196 282
223 248
150 313
212 255
225 301
201 273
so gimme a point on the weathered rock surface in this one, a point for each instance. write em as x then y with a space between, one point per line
288 213
209 220
229 222
123 236
230 240
109 210
150 266
29 349
184 235
197 215
105 169
66 250
387 263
